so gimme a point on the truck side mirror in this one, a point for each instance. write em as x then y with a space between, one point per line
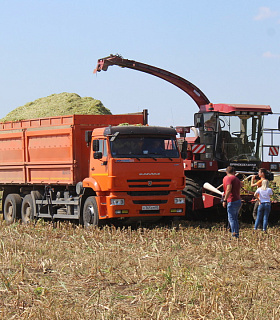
97 155
95 145
279 123
88 135
184 150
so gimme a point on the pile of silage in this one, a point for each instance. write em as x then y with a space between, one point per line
57 105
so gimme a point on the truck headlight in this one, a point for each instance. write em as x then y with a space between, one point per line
117 202
178 210
179 200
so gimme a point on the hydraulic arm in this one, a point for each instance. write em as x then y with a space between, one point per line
195 93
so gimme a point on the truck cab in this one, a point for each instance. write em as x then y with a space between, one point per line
134 171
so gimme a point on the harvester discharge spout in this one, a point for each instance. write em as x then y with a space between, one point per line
194 92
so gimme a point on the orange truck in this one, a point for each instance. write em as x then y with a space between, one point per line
87 168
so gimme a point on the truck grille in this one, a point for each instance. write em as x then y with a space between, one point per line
149 201
149 212
151 193
149 183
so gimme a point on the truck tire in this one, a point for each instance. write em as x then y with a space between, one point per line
12 207
192 190
27 209
90 213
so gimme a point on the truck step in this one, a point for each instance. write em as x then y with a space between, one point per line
59 216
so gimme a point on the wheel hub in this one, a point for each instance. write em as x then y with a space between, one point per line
27 213
89 215
10 212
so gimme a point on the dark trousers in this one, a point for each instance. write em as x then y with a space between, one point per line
255 210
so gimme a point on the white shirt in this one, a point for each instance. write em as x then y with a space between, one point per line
264 195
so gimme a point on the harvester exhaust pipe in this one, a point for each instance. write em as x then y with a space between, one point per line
211 188
145 116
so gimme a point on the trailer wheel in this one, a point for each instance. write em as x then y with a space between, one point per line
90 213
27 209
12 207
192 190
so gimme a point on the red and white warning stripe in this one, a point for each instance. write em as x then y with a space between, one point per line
273 151
198 148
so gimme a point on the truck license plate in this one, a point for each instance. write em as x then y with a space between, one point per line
150 207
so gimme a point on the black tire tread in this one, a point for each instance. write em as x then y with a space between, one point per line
15 200
27 199
95 219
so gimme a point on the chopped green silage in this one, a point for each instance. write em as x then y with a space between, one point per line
57 105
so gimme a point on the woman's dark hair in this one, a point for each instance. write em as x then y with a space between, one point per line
263 170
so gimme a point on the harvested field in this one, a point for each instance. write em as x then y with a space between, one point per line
57 105
189 271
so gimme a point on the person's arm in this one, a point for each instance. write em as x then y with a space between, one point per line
253 183
227 193
256 195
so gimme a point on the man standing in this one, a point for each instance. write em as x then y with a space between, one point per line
232 199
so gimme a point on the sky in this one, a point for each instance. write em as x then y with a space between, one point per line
229 49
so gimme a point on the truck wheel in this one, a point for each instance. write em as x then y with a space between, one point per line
192 190
27 209
90 213
12 207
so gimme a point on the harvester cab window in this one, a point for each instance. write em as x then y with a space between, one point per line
230 137
241 137
210 122
209 127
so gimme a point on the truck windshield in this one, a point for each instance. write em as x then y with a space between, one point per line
144 147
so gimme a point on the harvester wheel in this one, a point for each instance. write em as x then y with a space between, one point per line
27 209
90 213
192 190
12 207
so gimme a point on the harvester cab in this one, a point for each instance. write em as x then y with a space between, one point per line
231 134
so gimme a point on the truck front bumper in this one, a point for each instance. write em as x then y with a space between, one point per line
121 204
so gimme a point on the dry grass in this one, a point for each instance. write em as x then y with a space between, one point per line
187 272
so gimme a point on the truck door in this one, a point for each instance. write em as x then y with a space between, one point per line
99 162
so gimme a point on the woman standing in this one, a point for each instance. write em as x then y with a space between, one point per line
263 194
257 183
